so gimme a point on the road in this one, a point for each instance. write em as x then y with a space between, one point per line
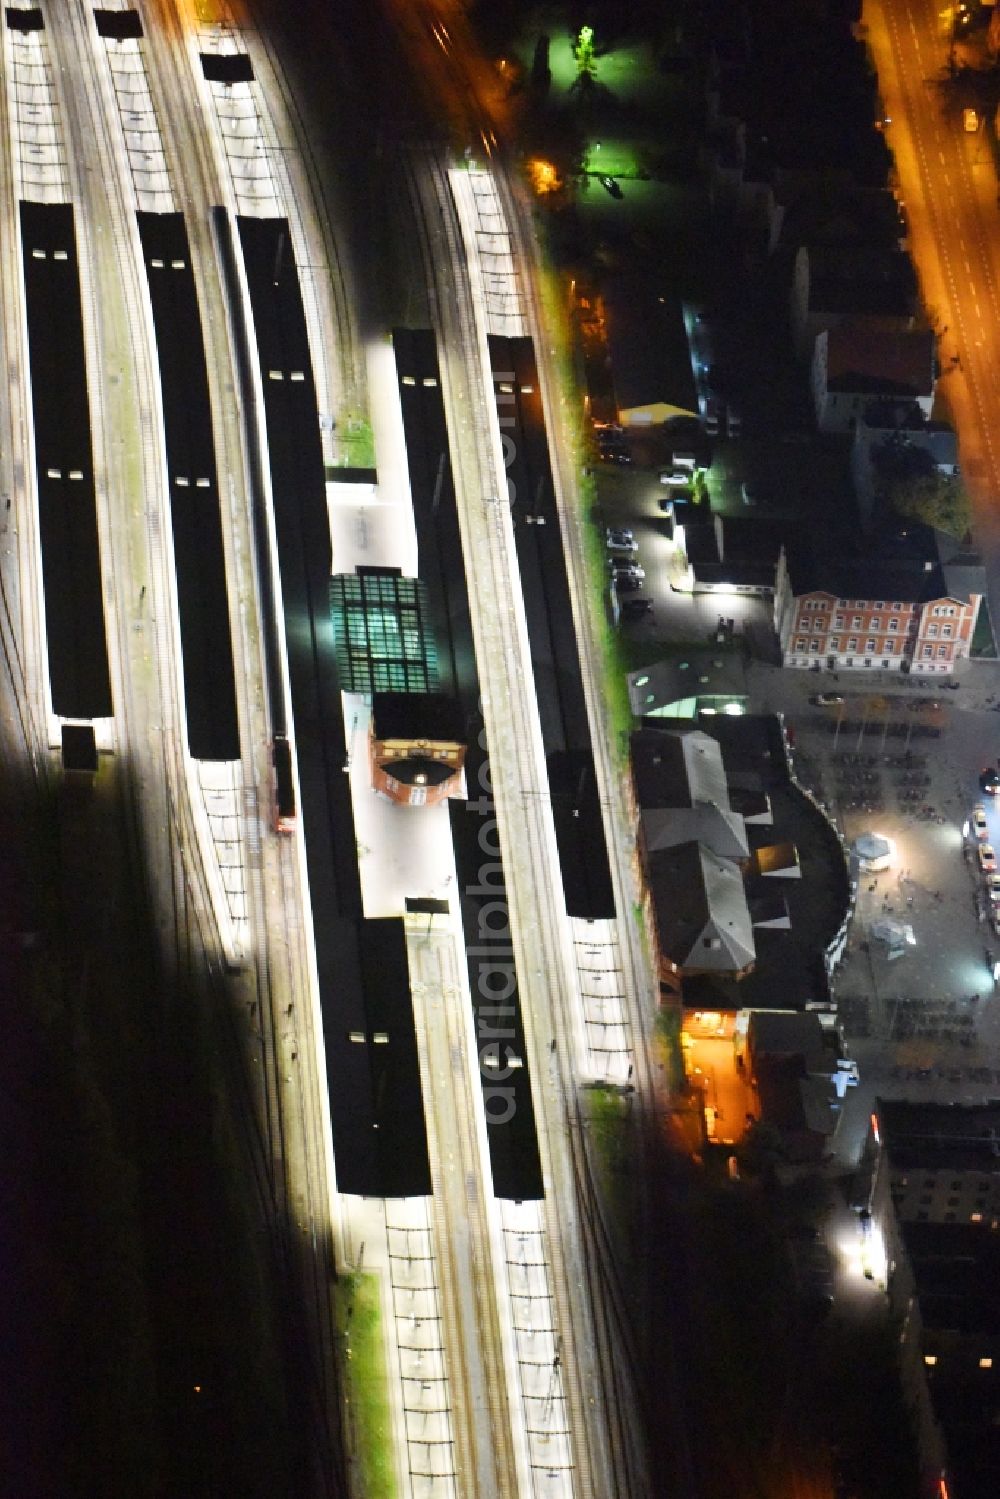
948 186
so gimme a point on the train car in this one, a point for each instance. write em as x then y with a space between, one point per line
284 786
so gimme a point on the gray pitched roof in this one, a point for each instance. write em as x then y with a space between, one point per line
721 831
677 768
701 910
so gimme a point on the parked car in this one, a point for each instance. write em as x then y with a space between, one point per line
987 858
751 492
610 185
970 120
979 824
989 780
993 888
684 460
621 539
826 699
624 565
676 478
636 608
626 583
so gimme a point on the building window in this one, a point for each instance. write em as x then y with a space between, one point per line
800 645
931 632
894 626
852 644
927 652
871 645
886 665
820 624
889 647
879 603
849 661
835 643
942 653
838 622
946 632
896 608
814 645
857 622
868 661
842 604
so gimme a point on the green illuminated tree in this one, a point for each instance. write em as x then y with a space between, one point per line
583 51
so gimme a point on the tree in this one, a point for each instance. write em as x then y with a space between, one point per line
911 484
583 51
761 1150
935 499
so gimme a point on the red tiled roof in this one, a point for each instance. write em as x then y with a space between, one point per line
859 352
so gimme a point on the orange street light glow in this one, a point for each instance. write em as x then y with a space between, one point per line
544 177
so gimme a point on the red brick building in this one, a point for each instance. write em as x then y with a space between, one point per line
416 747
898 616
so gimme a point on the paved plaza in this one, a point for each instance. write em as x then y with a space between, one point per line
911 1022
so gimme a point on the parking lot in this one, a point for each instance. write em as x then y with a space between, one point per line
630 498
